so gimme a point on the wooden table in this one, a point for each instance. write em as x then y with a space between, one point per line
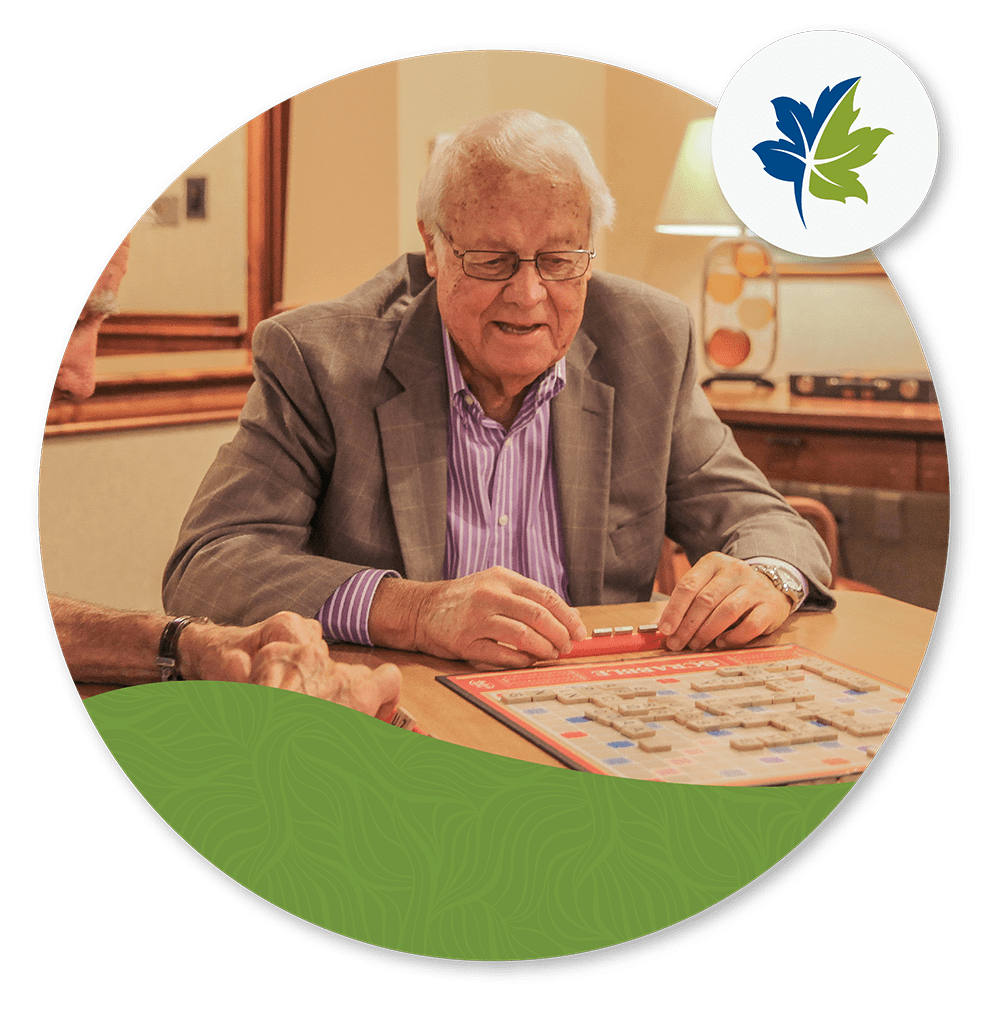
879 635
877 444
882 636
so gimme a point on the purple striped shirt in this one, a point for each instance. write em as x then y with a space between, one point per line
503 507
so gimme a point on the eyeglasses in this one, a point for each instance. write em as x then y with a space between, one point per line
500 265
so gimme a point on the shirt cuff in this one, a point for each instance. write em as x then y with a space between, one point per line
775 562
344 615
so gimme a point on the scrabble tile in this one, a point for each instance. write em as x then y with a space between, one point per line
516 696
863 685
826 735
571 696
660 743
714 707
746 743
632 728
606 700
605 716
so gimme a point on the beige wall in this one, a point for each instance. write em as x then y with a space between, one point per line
197 265
341 225
437 94
111 504
359 145
646 123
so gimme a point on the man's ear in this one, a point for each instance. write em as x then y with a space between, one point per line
431 254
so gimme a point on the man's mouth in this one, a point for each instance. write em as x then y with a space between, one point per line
516 329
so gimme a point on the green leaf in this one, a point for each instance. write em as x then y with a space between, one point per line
840 150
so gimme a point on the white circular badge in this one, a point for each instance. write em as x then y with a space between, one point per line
825 143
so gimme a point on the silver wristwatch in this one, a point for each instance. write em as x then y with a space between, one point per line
783 579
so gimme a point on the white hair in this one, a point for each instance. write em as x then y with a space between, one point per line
104 302
516 139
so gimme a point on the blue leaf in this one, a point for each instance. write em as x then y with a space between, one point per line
781 160
785 160
796 123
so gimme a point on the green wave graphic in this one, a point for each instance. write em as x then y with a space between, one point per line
418 845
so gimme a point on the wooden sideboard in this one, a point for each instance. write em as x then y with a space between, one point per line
880 445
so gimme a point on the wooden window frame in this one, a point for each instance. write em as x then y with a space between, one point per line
168 397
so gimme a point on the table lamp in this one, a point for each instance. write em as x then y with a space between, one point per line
739 292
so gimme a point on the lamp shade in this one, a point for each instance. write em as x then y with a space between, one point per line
693 204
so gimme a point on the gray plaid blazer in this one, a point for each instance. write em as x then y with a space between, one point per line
340 459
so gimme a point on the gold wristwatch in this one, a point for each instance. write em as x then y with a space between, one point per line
783 579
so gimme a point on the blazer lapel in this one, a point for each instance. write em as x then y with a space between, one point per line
414 431
413 426
581 429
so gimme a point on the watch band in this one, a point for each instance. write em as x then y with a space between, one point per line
166 656
783 580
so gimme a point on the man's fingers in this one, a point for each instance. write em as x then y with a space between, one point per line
306 669
388 680
756 623
717 595
356 686
543 615
291 628
702 607
524 636
549 607
685 594
384 685
486 654
496 617
280 664
732 608
236 666
697 635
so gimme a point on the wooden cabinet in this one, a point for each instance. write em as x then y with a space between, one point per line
880 445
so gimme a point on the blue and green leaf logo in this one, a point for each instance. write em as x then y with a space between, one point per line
820 145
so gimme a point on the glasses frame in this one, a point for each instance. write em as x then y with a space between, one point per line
591 254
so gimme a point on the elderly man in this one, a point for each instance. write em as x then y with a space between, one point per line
449 456
105 648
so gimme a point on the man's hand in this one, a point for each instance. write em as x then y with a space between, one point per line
721 599
495 619
298 667
287 651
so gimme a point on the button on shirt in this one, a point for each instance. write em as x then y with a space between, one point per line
503 507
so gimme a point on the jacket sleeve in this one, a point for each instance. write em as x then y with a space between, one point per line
244 547
718 500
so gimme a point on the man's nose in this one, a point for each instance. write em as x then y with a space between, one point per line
526 288
77 371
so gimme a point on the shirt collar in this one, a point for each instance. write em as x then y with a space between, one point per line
545 388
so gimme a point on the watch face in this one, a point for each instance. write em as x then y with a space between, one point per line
784 580
792 583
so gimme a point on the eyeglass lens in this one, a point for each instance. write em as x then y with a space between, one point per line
553 267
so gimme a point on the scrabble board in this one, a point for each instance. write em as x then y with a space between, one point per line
765 716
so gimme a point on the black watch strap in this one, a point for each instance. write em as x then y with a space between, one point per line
166 656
